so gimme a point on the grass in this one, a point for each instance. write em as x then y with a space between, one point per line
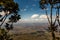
38 35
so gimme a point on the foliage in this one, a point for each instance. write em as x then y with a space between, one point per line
10 8
33 36
44 4
4 35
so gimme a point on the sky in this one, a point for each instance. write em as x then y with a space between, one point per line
31 12
28 8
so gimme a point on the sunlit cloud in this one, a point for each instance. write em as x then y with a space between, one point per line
39 18
2 13
43 16
34 16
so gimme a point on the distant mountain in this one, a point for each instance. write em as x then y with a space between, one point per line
30 27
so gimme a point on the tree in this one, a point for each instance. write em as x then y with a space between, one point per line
10 8
44 5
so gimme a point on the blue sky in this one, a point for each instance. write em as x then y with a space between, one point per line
30 8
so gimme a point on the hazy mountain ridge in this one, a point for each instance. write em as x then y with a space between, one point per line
30 27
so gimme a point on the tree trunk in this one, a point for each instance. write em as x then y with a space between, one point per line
53 34
3 21
58 14
47 17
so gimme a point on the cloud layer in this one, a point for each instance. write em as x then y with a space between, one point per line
38 17
2 13
34 16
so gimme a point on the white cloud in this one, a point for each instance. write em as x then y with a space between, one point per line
39 18
24 9
34 16
2 13
36 19
43 16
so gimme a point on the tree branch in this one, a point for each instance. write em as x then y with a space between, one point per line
3 21
47 17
